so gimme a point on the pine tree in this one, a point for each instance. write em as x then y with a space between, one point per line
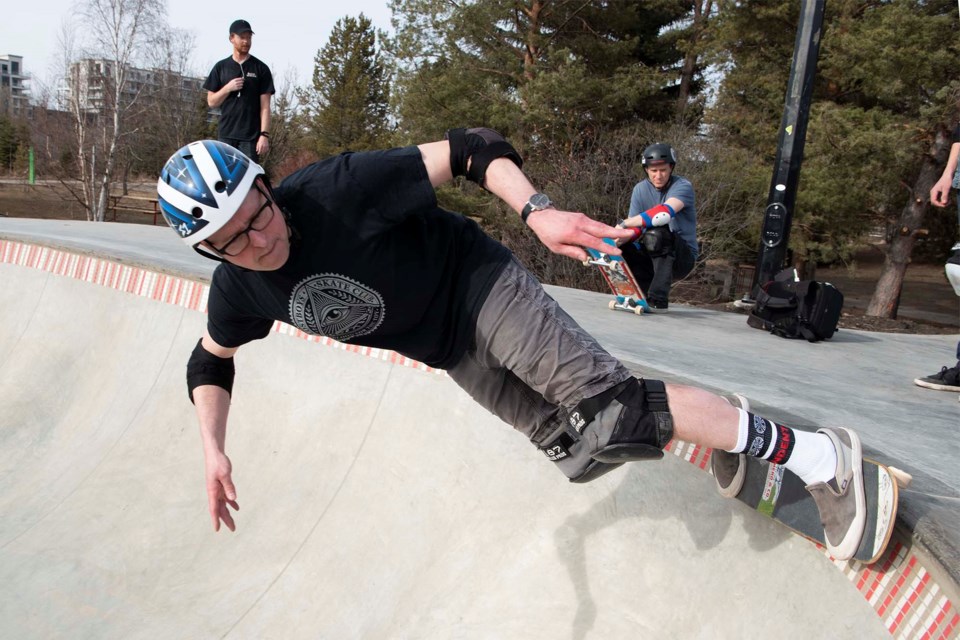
347 106
880 99
540 71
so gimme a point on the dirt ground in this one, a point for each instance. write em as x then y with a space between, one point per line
928 304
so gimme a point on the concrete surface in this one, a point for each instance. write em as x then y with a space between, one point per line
379 502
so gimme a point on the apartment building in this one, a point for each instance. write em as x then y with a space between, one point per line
14 95
90 81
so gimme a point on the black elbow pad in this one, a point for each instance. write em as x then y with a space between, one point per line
478 147
206 368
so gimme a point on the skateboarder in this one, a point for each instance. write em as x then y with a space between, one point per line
354 247
664 207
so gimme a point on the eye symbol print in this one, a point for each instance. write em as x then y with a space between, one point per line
336 306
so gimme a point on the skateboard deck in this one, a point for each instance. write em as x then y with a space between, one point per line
776 493
629 295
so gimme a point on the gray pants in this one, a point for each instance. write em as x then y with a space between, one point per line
530 362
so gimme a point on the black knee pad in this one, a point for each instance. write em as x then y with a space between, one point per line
636 425
625 423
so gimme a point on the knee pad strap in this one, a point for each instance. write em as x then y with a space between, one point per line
572 455
639 428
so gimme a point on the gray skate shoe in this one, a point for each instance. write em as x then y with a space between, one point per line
730 469
843 509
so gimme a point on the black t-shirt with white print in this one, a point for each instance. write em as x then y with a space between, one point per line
377 263
240 111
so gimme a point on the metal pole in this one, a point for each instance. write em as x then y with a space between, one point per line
778 215
30 174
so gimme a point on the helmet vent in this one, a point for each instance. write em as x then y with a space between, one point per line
220 186
189 156
197 212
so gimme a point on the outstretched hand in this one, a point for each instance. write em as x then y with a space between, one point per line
566 233
220 490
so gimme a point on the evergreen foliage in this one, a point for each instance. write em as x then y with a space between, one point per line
346 107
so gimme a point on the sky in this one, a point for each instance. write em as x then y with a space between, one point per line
287 33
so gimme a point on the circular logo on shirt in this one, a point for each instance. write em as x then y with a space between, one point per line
335 306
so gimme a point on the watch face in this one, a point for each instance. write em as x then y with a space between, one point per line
539 201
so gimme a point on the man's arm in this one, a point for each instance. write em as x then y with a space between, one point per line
213 405
263 142
217 98
940 193
563 232
655 216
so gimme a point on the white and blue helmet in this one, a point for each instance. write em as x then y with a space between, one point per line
202 185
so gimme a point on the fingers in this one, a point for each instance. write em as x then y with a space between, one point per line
229 490
566 233
224 514
219 497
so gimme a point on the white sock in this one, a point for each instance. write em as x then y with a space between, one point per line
813 457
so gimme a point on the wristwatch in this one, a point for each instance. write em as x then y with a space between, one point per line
537 202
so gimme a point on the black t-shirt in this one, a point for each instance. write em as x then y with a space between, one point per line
240 112
956 134
377 263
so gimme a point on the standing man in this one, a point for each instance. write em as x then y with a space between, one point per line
355 247
664 209
241 86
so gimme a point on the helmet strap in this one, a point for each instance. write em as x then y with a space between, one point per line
207 253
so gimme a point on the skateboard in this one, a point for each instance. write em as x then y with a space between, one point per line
781 495
629 295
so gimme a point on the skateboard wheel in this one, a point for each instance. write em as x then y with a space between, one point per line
638 310
612 305
901 477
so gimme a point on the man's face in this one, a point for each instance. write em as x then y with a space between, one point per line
266 249
241 42
659 173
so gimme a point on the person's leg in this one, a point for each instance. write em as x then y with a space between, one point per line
531 364
249 148
683 261
659 244
829 461
588 414
246 147
640 265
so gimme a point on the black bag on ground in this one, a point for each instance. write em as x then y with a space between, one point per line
795 308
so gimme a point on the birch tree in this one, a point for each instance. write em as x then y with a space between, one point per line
117 34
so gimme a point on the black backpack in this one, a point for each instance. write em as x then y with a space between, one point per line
794 308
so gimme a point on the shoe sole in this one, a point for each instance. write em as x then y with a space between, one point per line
851 542
920 382
736 485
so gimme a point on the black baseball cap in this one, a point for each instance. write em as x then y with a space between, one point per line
240 27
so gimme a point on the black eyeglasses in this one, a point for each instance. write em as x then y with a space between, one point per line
236 245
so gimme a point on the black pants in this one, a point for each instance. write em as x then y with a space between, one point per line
248 147
655 275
